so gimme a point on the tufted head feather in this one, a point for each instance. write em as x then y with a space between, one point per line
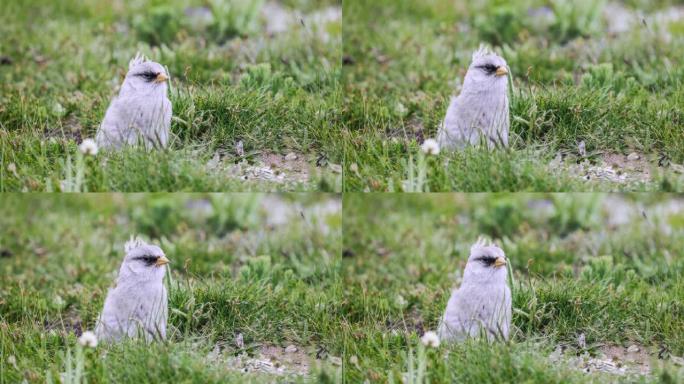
481 242
482 51
138 59
134 243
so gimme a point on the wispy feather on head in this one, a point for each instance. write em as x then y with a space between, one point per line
482 51
480 243
138 59
134 243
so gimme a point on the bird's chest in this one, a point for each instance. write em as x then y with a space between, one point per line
142 297
485 109
486 300
149 109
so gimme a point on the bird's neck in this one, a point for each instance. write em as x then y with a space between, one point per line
138 279
475 280
129 90
484 94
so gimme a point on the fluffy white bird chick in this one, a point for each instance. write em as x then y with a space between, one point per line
480 113
137 304
482 304
141 113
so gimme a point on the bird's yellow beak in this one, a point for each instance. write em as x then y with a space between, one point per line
501 71
499 262
162 78
161 261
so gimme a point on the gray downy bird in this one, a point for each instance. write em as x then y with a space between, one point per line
137 304
141 113
482 304
480 113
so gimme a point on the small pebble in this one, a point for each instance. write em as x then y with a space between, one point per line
240 148
633 348
582 148
291 349
581 341
239 341
291 156
633 156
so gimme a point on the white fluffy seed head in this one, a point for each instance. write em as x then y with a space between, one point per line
88 339
400 302
88 147
430 339
430 147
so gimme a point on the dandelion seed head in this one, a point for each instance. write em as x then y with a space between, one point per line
88 147
430 339
400 302
430 147
88 339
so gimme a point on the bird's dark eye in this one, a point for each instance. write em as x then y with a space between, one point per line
486 260
147 259
148 76
489 68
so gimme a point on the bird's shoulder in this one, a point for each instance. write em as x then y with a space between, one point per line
454 103
117 108
477 290
130 99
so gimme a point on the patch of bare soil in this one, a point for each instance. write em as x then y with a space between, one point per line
71 129
294 166
274 360
290 358
412 322
611 167
413 128
635 360
70 322
289 168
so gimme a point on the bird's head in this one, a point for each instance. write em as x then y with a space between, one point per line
145 76
488 71
486 264
143 261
